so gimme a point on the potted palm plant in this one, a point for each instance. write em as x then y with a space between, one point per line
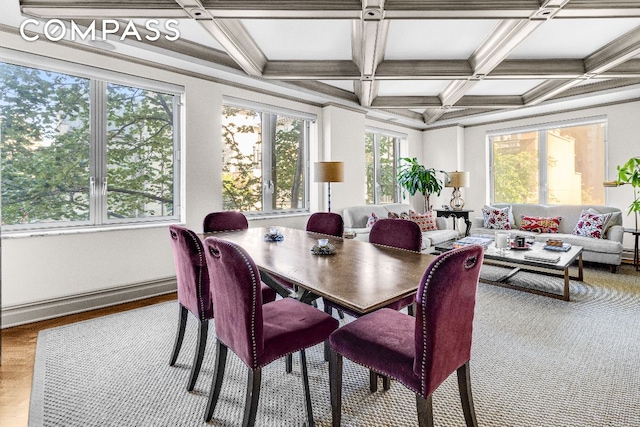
414 177
629 173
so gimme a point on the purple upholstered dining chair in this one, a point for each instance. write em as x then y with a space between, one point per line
398 233
224 220
326 223
257 334
194 293
419 352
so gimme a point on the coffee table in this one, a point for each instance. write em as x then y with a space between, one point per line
517 261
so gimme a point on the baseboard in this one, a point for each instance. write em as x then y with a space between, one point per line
42 310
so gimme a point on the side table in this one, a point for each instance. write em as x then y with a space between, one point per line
462 213
636 255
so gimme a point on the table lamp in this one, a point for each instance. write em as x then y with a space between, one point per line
457 180
329 172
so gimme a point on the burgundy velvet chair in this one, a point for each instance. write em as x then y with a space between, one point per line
194 294
398 233
225 220
258 334
326 223
419 352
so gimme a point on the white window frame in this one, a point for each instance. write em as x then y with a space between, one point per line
98 144
267 110
398 139
543 184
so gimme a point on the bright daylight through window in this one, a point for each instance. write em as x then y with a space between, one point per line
381 157
264 160
558 164
80 151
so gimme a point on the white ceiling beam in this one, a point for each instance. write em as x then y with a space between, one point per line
368 43
547 90
407 102
330 9
311 70
615 53
431 116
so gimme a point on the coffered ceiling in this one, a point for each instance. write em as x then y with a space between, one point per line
427 61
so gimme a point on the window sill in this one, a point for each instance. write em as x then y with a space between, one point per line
82 230
275 215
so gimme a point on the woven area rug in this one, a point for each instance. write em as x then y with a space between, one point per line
536 361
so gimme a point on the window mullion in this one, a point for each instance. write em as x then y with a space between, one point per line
543 184
376 168
98 150
268 190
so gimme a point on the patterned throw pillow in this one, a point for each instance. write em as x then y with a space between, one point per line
372 220
591 225
613 220
427 222
496 218
540 224
393 215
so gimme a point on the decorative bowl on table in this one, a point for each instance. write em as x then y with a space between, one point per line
273 235
327 249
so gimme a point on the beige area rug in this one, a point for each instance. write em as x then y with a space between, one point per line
536 361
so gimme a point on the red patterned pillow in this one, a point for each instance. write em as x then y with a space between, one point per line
591 225
427 222
496 218
372 220
540 224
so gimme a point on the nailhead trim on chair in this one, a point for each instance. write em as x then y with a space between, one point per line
253 299
424 323
198 244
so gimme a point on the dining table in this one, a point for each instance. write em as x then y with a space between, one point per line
357 275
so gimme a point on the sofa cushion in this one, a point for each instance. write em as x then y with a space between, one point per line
540 224
373 218
496 218
591 224
427 222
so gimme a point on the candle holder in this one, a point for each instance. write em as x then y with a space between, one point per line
502 242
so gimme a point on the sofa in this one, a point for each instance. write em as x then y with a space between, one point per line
356 217
605 250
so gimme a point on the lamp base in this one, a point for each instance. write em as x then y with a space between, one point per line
456 203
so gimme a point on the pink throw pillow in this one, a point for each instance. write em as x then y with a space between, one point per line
540 224
427 222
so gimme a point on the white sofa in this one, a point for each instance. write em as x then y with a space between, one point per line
607 250
356 218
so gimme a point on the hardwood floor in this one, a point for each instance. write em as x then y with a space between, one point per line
18 356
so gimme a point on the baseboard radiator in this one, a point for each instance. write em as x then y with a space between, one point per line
42 310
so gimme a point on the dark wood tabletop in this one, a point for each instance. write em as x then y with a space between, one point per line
360 275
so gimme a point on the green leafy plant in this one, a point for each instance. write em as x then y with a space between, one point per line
629 173
414 177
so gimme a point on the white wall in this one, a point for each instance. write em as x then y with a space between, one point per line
43 269
623 142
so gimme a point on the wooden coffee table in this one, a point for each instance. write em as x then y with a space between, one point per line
517 261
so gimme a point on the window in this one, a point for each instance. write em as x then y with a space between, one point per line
84 151
264 158
558 164
381 159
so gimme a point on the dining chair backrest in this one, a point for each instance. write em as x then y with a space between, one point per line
399 233
326 223
224 221
444 317
237 299
192 274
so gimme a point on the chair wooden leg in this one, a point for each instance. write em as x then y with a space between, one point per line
307 391
197 359
253 395
464 387
288 363
411 310
182 323
425 411
335 387
373 381
216 383
386 382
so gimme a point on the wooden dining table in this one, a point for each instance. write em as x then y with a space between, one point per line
359 275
